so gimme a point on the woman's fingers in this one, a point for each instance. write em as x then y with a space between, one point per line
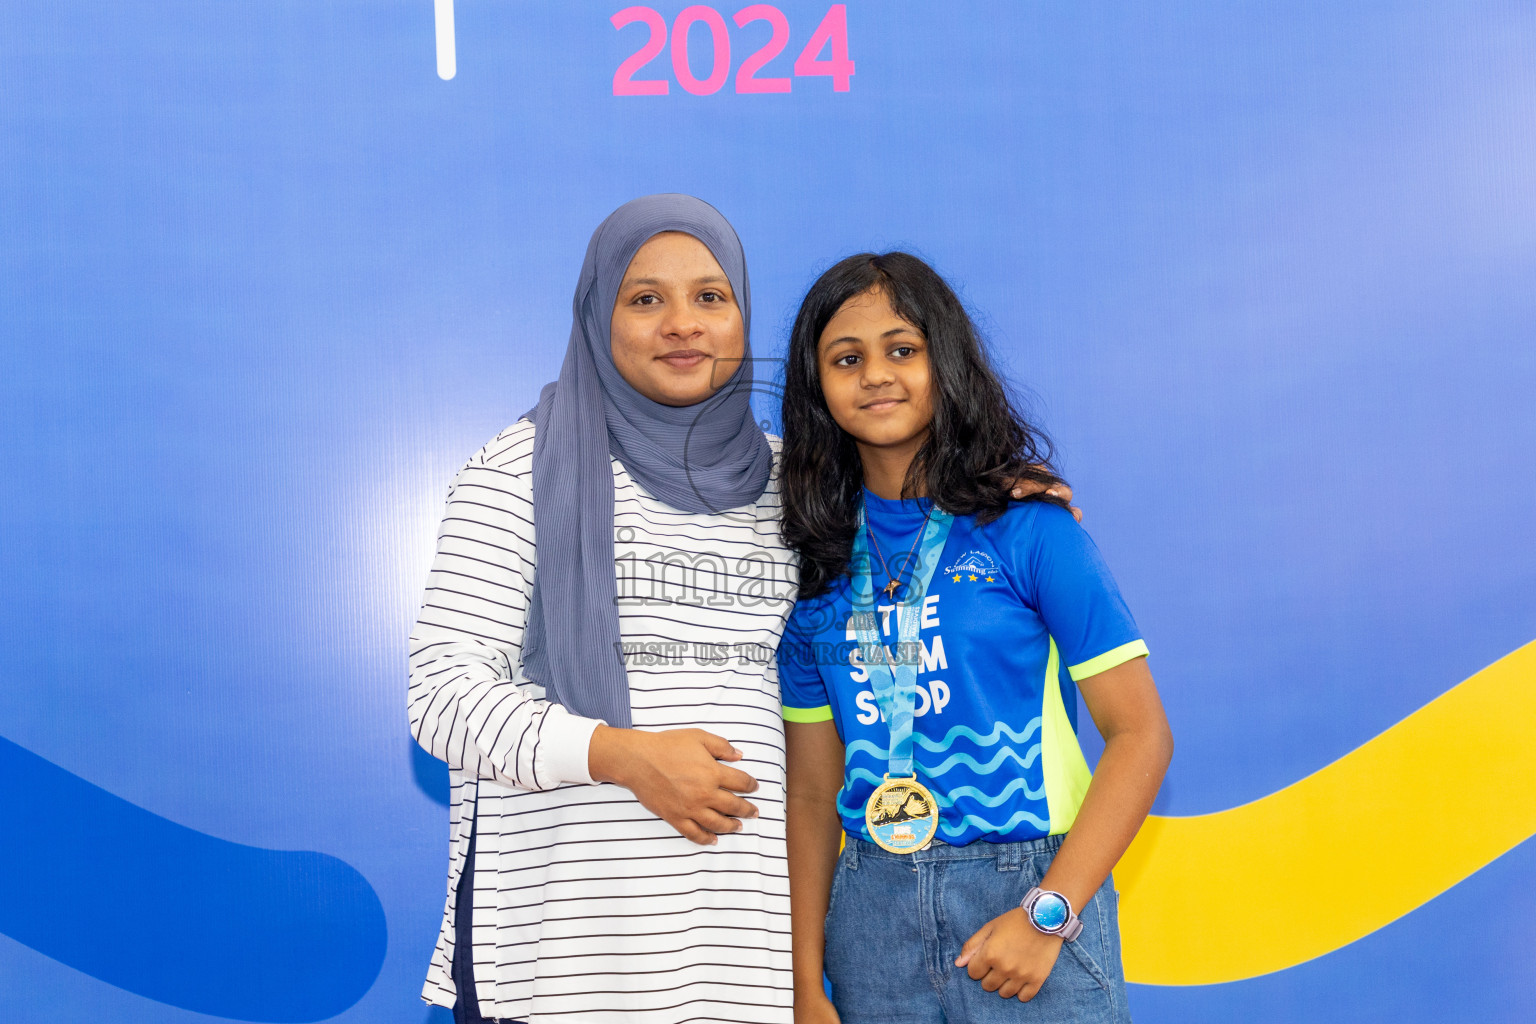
736 780
727 803
734 806
718 746
1026 488
719 824
725 813
690 831
708 823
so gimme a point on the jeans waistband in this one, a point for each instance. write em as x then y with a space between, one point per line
1007 855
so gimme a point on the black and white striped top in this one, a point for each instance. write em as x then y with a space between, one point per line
586 906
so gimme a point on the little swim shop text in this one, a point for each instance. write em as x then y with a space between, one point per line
926 653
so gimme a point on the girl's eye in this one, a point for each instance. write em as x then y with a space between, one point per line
847 360
903 351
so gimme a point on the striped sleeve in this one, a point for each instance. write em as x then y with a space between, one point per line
465 706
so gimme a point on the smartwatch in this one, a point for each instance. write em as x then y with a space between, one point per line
1051 913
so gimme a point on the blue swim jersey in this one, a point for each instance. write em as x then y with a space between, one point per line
1017 611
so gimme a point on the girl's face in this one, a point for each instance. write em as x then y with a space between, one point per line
676 332
874 374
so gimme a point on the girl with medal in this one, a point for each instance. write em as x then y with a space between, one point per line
929 676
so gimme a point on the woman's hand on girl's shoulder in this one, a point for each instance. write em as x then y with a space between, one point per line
1028 488
815 1008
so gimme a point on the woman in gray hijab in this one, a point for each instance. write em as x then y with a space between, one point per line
603 685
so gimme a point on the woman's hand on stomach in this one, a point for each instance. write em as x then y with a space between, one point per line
678 776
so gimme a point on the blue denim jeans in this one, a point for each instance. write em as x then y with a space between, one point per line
897 922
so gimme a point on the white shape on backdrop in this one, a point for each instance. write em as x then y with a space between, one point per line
447 52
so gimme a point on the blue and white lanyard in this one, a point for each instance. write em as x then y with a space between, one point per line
894 680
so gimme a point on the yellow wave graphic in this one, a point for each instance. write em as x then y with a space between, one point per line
1333 857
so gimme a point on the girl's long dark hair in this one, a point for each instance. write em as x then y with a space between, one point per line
978 447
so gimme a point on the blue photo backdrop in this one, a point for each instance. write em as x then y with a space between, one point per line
270 271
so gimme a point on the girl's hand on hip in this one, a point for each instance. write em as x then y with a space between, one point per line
677 775
1010 956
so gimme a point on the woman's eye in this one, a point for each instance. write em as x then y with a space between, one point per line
647 299
712 297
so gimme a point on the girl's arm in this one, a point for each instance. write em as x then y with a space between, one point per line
1008 955
814 757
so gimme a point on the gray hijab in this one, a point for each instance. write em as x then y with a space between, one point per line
703 458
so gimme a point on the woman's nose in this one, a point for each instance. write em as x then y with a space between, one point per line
681 321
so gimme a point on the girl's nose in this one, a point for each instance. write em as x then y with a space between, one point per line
876 373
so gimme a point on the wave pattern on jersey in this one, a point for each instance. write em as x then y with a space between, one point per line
971 803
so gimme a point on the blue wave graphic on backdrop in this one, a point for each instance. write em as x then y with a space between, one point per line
176 915
948 795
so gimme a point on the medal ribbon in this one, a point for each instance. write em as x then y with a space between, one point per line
894 680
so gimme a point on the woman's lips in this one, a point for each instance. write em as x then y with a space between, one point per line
684 359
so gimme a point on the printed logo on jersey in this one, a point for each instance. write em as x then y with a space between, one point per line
974 567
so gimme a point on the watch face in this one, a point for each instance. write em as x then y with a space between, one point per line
1049 912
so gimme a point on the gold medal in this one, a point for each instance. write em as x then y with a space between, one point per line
902 815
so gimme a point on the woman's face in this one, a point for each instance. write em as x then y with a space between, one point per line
874 374
676 332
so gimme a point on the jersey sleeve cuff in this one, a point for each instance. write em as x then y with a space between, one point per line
1108 660
821 714
563 742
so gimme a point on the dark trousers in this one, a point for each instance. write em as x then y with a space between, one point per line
466 1010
